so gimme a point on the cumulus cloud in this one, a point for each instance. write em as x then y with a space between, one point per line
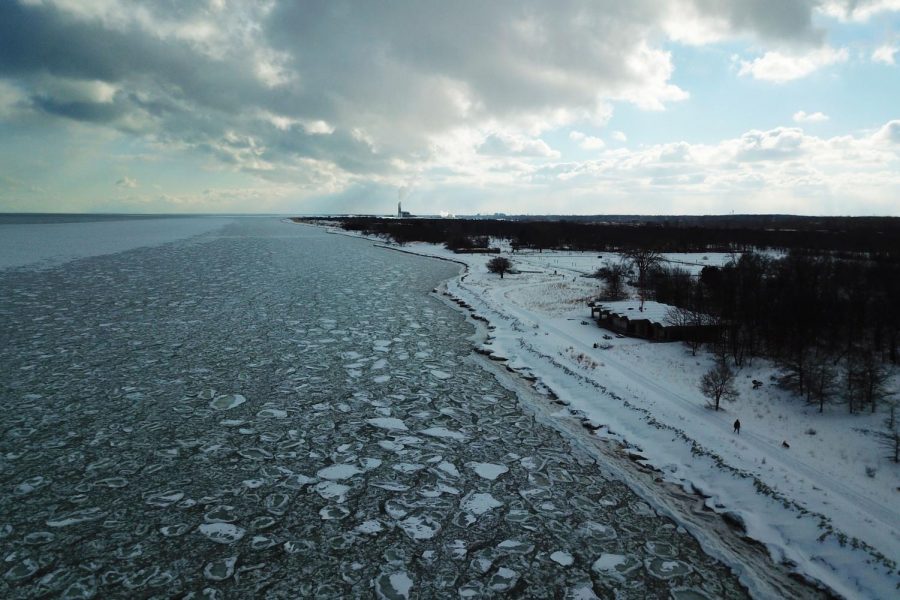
777 170
127 182
858 10
587 142
889 133
804 117
707 21
499 143
778 67
327 97
885 54
364 87
778 143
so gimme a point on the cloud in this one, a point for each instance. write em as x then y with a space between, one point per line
700 22
322 98
778 67
127 182
376 83
885 54
889 133
501 144
587 142
775 144
804 117
858 11
777 170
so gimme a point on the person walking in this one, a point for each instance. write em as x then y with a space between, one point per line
737 426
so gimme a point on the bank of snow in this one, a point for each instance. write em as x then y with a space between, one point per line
827 506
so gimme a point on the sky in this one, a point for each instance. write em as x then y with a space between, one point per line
462 107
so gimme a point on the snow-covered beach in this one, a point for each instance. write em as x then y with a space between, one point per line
825 506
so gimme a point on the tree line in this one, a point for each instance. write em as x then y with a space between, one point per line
832 324
839 236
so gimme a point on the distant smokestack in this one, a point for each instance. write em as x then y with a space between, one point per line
399 209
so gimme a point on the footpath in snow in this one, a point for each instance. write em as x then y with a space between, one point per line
827 507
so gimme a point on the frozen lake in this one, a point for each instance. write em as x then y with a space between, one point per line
44 240
266 410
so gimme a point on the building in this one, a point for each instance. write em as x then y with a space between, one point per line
402 213
657 322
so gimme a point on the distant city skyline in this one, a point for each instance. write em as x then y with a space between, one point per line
525 107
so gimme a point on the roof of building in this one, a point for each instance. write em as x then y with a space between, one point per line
655 312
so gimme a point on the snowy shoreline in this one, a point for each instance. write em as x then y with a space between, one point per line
816 526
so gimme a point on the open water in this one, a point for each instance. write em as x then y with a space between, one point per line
267 410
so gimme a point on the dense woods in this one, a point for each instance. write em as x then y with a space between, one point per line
831 323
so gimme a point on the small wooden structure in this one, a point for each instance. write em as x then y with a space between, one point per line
476 250
654 322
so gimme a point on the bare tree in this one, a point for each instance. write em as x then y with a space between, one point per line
499 264
613 275
718 383
692 321
821 379
890 437
643 260
866 379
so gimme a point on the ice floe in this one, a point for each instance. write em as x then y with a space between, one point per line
489 471
478 503
227 402
222 533
443 432
387 423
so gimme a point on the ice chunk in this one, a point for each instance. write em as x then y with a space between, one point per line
338 472
333 491
443 432
370 463
448 468
370 527
220 570
75 517
479 503
272 413
408 467
222 533
488 471
391 486
420 527
503 580
387 423
563 558
393 586
608 562
227 402
333 513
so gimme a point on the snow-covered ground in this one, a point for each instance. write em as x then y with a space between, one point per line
827 506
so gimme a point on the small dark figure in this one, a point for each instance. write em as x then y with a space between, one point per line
784 444
737 426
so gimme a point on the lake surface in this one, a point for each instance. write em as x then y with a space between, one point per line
267 410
